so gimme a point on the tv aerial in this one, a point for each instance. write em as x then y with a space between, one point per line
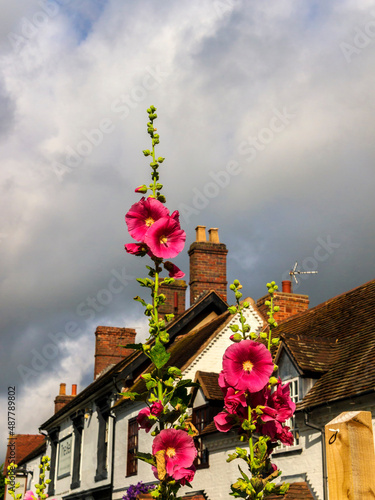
296 271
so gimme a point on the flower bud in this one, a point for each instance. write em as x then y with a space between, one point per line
232 309
232 287
263 335
236 283
236 337
141 189
273 380
276 308
246 305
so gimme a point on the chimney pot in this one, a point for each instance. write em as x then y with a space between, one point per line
62 390
200 233
286 286
74 389
213 235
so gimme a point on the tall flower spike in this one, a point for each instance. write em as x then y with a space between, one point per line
142 215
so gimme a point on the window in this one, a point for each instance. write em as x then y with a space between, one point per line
132 462
102 450
65 457
202 416
291 422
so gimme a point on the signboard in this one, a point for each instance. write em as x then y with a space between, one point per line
65 457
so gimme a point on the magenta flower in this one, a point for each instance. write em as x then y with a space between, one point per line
29 495
157 408
222 383
225 421
165 238
280 400
185 475
174 271
144 421
247 366
142 215
234 399
179 447
137 248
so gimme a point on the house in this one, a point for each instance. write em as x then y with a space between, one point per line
93 436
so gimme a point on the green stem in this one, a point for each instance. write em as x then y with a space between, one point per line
153 160
251 444
271 316
156 291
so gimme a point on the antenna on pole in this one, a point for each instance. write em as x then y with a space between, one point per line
296 271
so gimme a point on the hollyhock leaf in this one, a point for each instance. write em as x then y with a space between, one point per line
158 354
146 457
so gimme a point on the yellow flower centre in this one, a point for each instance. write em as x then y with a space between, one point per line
149 221
247 366
163 240
171 452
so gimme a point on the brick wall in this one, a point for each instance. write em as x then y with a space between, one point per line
289 303
107 346
208 265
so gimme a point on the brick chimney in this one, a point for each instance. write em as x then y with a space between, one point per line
62 399
107 346
289 303
208 264
175 294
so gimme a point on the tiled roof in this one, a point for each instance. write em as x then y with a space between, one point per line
337 340
297 491
209 301
25 444
187 348
209 385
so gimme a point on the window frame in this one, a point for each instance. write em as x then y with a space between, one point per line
132 448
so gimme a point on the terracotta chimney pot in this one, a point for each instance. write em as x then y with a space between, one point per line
286 286
213 235
62 390
200 233
74 389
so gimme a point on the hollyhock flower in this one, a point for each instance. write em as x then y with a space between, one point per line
225 421
174 271
185 475
165 238
179 447
137 248
156 408
143 419
247 366
29 495
234 399
280 400
222 383
142 215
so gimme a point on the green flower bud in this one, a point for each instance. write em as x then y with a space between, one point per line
146 152
232 287
273 380
232 309
236 337
263 335
275 368
238 295
275 341
246 305
236 283
276 308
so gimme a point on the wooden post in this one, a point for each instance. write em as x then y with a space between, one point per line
351 456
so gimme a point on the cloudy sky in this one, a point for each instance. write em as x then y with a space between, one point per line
266 120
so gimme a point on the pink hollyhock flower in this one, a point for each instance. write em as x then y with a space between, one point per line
142 215
29 495
137 248
185 475
222 383
179 447
157 408
165 238
174 271
247 366
234 399
280 400
144 421
225 421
